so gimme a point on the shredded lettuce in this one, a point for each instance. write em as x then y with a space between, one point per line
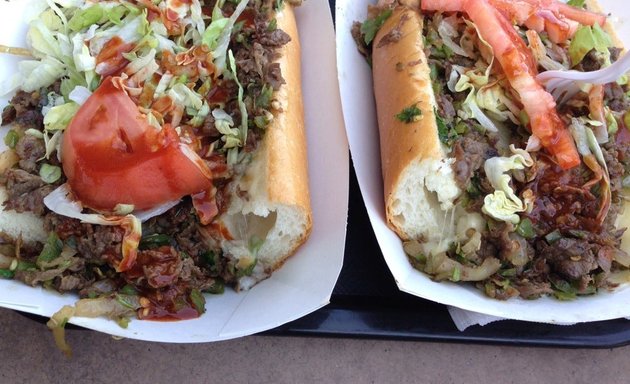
182 95
43 42
132 29
34 74
60 116
504 204
493 99
83 18
211 34
241 103
141 68
79 94
474 80
447 29
225 125
83 61
220 52
587 38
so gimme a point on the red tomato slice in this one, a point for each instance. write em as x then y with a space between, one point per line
520 69
111 155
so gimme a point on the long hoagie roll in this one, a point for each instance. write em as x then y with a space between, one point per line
417 177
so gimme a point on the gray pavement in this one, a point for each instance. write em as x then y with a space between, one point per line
28 355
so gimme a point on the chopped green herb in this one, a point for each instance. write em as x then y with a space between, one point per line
552 237
264 99
52 250
370 27
211 260
129 301
579 234
576 3
526 229
245 266
255 243
198 301
563 290
474 188
123 322
6 273
511 272
25 266
154 240
273 25
626 120
11 138
434 71
461 128
50 173
442 52
261 122
217 288
409 114
457 273
443 132
128 290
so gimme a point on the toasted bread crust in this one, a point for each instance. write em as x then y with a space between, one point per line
402 79
285 138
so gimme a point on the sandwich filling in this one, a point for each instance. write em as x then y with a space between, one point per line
541 184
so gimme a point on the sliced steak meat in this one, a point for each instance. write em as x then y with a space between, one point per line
96 244
273 76
445 107
26 192
30 149
571 258
69 283
156 268
27 110
100 243
616 98
182 223
470 152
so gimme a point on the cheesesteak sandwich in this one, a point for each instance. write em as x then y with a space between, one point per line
156 152
486 178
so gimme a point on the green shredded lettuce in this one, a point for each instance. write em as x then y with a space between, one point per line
223 41
370 27
587 38
83 18
504 204
60 116
241 103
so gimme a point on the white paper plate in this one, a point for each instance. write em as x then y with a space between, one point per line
358 105
306 281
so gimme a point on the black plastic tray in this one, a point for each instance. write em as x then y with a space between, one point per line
366 303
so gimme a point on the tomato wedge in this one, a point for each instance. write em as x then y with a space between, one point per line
560 20
111 155
520 69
